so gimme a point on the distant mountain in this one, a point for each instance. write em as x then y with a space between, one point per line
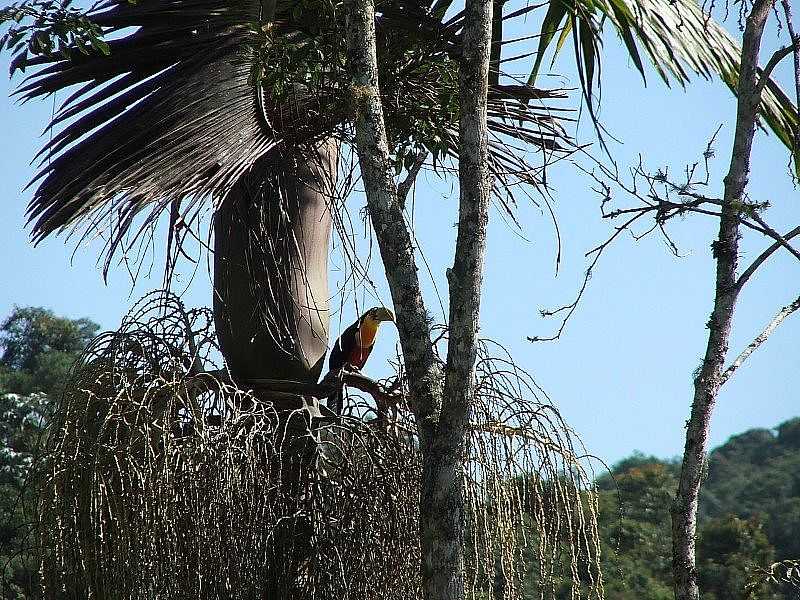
749 517
757 475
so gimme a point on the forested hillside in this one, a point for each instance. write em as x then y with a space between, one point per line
749 516
750 507
757 475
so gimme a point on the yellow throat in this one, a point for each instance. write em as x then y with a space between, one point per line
367 332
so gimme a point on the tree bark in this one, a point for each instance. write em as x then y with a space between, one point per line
709 378
443 470
271 240
386 214
442 429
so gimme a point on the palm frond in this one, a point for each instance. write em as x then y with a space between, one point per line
191 93
677 37
168 114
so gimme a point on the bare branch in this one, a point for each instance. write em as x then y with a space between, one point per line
210 380
405 186
570 308
779 239
760 339
759 260
776 57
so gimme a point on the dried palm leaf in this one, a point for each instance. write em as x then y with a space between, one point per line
191 93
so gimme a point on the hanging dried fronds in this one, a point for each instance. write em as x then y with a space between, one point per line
783 575
161 480
532 506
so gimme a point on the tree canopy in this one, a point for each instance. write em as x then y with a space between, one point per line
38 349
749 517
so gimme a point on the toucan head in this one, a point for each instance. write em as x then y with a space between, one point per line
378 314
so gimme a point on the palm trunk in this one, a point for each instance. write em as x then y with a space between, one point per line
271 240
726 252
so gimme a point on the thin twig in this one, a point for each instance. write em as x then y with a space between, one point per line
759 260
776 57
779 239
760 339
405 186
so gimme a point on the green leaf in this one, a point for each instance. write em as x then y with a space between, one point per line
679 37
626 23
675 35
440 8
101 46
587 36
556 12
565 31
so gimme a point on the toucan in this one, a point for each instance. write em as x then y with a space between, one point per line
353 348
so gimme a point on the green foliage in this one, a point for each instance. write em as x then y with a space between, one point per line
635 528
304 49
757 474
749 518
728 549
20 433
311 56
38 349
677 36
48 27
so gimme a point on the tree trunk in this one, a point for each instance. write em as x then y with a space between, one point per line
388 221
726 252
443 469
271 240
271 243
442 427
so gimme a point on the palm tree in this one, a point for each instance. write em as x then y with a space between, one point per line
243 104
198 103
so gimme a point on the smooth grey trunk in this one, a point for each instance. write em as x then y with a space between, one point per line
442 427
725 250
271 240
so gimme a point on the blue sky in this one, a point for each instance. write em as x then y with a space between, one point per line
621 374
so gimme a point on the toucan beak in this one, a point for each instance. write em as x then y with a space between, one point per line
384 314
